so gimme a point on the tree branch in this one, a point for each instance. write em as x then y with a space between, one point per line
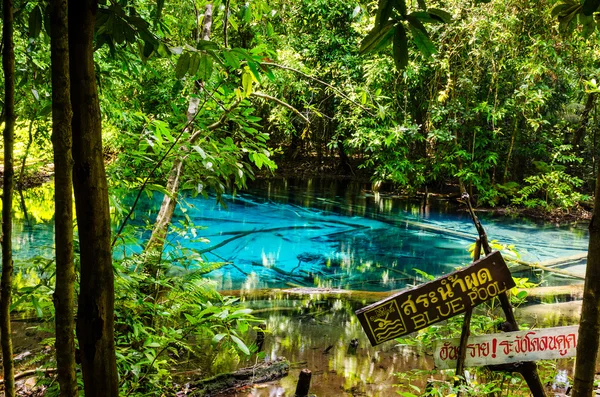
217 123
284 104
337 91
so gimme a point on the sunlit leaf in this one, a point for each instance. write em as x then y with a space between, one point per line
240 344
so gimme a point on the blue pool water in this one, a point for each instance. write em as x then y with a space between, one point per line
329 234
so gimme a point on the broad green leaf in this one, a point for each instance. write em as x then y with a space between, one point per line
116 30
567 16
205 67
231 60
422 41
240 344
163 50
522 294
375 37
254 69
241 311
422 4
400 5
183 64
207 45
194 63
148 49
415 22
384 12
440 14
400 48
424 17
559 8
35 22
590 6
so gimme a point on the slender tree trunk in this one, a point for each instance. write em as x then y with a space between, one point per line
8 64
589 328
64 295
95 316
163 220
207 23
167 208
585 117
513 138
24 160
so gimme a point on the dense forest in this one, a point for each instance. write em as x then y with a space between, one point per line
121 100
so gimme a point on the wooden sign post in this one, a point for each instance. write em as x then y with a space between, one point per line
446 297
441 299
509 347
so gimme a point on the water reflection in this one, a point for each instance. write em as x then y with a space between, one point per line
316 333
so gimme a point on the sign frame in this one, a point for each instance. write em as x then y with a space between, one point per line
436 300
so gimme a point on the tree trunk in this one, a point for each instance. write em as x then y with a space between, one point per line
95 316
207 22
24 160
64 295
8 64
585 117
589 328
513 138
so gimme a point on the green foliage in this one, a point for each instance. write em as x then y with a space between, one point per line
162 320
392 20
553 186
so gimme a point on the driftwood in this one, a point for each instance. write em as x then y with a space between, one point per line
244 377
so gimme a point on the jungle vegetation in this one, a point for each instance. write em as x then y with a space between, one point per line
165 97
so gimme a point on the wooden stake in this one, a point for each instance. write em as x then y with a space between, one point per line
527 369
303 383
465 333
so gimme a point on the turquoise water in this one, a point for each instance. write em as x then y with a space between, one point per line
333 234
330 234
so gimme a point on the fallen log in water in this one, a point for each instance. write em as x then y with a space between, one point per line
244 377
550 265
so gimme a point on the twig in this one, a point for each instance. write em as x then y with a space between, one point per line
32 372
340 93
217 123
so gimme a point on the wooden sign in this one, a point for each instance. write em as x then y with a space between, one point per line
509 347
417 308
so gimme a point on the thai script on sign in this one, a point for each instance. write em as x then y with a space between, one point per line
414 309
509 347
